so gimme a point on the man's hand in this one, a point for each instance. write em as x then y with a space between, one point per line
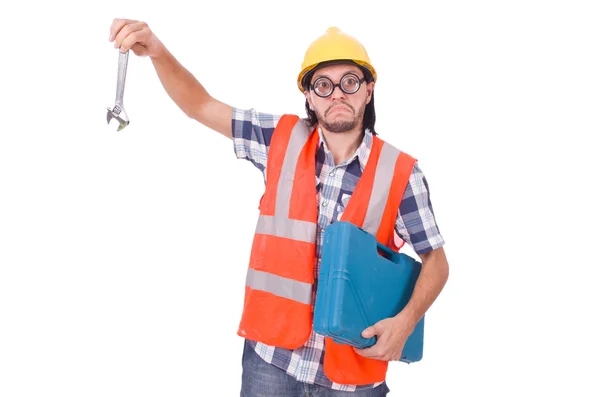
392 334
135 35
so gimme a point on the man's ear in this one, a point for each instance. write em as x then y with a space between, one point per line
370 88
308 99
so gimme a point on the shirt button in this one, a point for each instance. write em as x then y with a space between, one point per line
324 204
332 173
322 230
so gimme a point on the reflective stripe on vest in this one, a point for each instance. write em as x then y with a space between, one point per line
297 141
280 286
287 228
381 188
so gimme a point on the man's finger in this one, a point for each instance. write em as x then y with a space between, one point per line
374 352
368 332
368 352
132 34
116 26
376 329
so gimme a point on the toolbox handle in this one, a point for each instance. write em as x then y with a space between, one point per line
386 250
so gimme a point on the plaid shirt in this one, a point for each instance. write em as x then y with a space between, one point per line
415 224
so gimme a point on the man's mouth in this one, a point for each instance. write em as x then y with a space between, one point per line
339 108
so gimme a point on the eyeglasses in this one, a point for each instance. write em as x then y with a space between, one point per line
349 84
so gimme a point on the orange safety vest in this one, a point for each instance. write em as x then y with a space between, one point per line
279 285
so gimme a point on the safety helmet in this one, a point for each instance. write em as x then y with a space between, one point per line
331 46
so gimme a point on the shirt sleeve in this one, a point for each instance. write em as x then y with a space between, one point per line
251 133
416 223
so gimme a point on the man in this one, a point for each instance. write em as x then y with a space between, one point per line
331 157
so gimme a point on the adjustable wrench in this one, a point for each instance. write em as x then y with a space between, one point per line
118 111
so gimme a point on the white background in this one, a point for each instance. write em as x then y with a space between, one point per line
123 254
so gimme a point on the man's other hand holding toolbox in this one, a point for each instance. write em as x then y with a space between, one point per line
360 283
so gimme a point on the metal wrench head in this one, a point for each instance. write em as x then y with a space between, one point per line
118 114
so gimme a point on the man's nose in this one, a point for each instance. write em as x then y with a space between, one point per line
337 92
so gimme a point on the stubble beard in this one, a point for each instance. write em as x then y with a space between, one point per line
341 126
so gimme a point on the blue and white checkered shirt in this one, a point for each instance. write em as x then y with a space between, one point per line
415 224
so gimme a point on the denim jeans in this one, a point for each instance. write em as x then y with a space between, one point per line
261 379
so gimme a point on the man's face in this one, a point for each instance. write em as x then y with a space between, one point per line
340 111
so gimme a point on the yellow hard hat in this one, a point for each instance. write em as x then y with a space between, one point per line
334 45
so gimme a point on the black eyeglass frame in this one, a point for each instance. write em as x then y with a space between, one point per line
333 86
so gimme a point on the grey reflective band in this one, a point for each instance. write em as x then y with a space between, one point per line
381 188
288 228
298 139
280 286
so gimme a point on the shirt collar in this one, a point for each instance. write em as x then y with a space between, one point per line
362 152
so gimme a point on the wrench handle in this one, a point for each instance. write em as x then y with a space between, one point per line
122 73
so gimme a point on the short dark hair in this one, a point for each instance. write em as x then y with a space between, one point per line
368 117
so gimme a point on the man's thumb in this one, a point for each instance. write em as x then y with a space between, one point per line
369 332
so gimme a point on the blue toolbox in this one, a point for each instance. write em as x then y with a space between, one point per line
360 283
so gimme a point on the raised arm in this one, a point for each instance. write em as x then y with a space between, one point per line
181 86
